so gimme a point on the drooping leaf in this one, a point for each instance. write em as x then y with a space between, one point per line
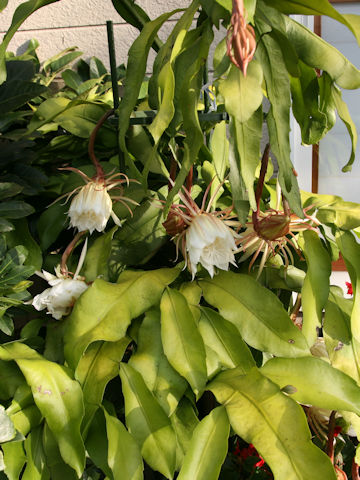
58 397
242 95
184 421
97 257
264 325
35 456
344 215
14 459
150 361
16 93
124 457
274 423
223 343
21 236
148 423
208 447
315 291
105 310
182 342
57 467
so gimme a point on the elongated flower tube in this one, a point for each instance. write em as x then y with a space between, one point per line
63 292
205 237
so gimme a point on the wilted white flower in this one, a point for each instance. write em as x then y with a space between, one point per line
205 236
91 208
63 292
209 241
60 298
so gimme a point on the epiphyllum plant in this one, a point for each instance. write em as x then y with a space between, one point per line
268 231
91 207
204 236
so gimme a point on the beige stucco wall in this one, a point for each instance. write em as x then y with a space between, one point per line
81 23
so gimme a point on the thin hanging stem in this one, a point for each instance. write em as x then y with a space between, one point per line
331 431
189 179
99 170
63 265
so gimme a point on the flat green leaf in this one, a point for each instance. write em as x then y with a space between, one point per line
247 143
96 443
182 342
55 65
184 420
105 310
208 447
344 215
321 7
148 423
242 95
278 119
223 341
344 114
264 325
14 459
15 209
35 457
317 53
316 382
96 368
150 361
16 93
344 350
9 189
51 222
57 467
58 397
274 423
124 455
3 4
315 291
11 377
23 11
5 226
139 145
47 112
97 256
21 236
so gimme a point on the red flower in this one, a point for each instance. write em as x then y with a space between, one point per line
350 288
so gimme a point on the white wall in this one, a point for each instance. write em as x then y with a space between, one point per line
81 23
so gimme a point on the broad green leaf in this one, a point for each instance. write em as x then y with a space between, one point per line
99 364
3 4
16 93
247 141
315 291
58 397
208 447
139 145
264 325
343 112
344 215
316 382
223 341
182 342
150 361
278 118
317 53
7 429
242 95
124 457
97 257
11 378
58 469
184 420
219 146
55 64
47 112
344 351
105 310
321 7
148 423
96 443
35 457
15 209
5 226
23 11
274 423
14 459
9 189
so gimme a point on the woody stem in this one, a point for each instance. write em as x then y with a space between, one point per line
99 170
67 252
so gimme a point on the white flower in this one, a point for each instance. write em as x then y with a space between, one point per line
59 299
91 208
211 242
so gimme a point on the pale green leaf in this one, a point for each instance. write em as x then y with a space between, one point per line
274 423
148 423
264 325
7 429
208 447
182 342
105 310
97 257
14 459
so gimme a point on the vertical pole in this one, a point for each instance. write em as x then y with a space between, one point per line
111 45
